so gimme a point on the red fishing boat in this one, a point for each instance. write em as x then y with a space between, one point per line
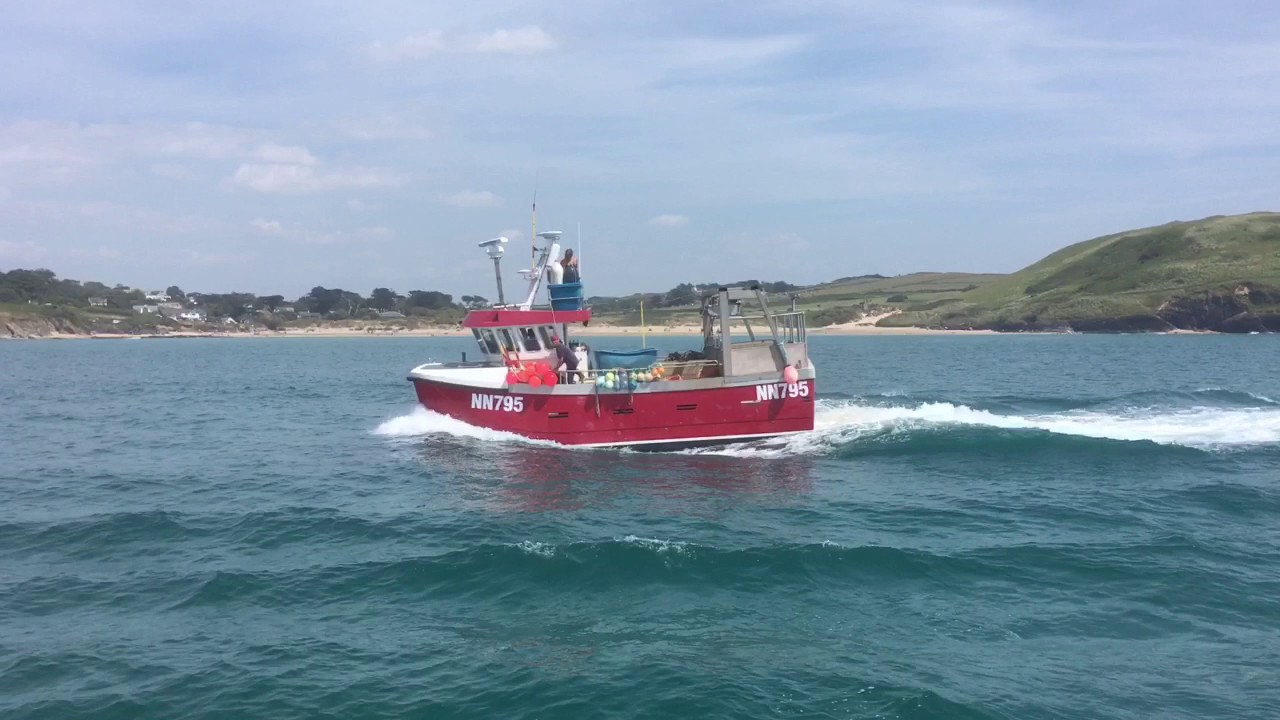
757 384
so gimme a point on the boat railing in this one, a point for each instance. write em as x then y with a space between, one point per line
791 327
683 369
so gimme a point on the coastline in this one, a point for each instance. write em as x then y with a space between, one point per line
590 331
844 330
863 327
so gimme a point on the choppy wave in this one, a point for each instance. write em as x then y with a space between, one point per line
491 570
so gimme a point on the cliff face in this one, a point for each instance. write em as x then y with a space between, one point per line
1221 312
35 326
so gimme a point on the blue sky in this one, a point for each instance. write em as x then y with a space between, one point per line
269 147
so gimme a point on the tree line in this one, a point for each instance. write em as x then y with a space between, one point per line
679 296
43 286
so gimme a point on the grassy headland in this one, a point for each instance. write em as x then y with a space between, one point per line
1220 274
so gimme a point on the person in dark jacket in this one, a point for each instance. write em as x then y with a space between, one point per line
570 265
565 358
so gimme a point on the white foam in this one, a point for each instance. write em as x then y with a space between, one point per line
839 422
657 545
540 549
423 422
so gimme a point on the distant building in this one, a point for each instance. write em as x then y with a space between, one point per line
157 295
192 316
146 309
97 302
170 309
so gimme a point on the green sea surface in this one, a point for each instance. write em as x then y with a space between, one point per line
1016 527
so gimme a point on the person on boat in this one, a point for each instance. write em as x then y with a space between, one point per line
565 358
570 265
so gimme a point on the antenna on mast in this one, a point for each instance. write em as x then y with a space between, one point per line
495 251
533 250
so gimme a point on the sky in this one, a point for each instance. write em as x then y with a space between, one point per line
269 147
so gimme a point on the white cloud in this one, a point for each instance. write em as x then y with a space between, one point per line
139 219
473 199
172 171
199 258
522 41
345 237
727 54
293 179
314 236
21 252
670 221
267 227
386 127
527 40
205 141
284 154
100 252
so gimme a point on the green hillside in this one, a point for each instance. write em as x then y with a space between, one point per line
1220 273
829 303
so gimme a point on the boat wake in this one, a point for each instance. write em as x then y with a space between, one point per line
841 424
422 422
847 425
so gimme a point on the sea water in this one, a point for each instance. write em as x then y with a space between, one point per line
979 527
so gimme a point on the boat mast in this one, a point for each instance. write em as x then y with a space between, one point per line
495 251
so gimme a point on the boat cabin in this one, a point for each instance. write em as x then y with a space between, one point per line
524 335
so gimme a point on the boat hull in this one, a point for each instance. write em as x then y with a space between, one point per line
650 418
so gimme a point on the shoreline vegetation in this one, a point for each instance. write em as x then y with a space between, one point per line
1214 275
865 327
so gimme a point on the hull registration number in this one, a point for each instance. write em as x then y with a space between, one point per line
502 403
778 391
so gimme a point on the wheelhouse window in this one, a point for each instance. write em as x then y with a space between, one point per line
507 342
546 335
491 343
480 341
530 339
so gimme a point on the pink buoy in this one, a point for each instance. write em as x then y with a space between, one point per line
791 375
535 380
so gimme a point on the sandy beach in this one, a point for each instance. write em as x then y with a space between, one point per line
864 326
